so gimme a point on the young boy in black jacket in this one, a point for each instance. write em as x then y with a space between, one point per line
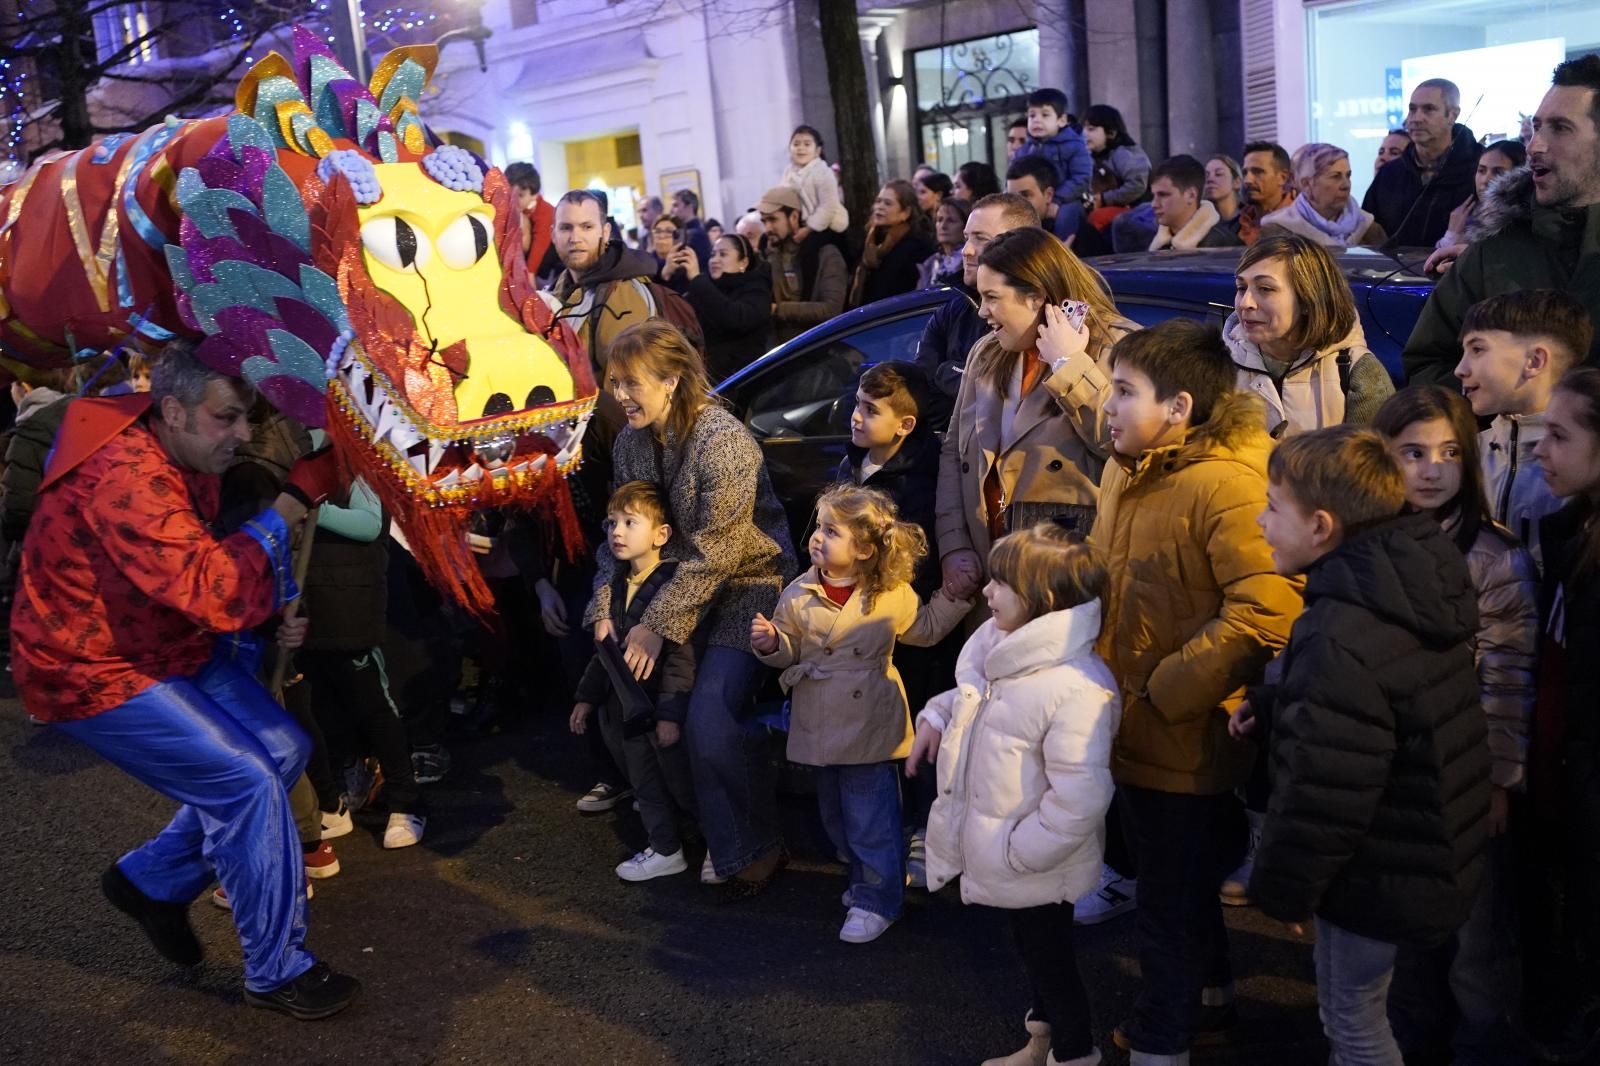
652 755
1378 823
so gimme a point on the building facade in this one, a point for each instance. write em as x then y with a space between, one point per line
1341 71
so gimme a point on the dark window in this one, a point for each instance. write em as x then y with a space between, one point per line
812 393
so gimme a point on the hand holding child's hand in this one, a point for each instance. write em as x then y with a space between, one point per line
963 573
292 632
579 722
1242 723
925 748
763 635
668 733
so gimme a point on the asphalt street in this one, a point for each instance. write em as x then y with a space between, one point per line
505 938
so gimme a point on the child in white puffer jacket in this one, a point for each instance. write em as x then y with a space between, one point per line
1023 753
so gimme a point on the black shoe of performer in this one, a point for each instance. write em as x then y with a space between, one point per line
166 924
317 993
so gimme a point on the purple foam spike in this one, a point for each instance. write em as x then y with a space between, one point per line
220 172
306 45
307 323
275 252
247 327
347 93
297 399
222 353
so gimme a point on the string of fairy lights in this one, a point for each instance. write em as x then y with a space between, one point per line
392 24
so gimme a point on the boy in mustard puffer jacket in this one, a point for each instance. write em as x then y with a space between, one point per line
1194 611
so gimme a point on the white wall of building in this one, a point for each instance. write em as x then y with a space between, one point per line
721 105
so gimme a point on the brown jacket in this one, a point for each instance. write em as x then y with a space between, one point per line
1054 454
848 706
1194 610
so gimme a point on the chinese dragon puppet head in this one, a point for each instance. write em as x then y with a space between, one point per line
317 243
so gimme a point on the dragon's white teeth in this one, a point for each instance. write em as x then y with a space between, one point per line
348 358
472 474
570 449
538 463
419 463
385 419
404 434
449 481
435 453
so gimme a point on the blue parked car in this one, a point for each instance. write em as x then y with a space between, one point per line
797 398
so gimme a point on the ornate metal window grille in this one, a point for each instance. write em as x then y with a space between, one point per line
966 94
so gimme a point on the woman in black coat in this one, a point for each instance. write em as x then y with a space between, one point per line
899 238
734 304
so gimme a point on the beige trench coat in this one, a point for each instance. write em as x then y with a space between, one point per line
847 704
1054 454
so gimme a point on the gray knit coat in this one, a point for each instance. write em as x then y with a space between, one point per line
729 533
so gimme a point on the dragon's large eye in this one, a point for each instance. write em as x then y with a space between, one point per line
396 243
465 240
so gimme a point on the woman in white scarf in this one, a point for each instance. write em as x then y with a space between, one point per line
1324 211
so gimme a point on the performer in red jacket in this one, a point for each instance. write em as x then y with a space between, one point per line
122 601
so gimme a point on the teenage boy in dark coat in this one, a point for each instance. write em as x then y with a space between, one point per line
1378 822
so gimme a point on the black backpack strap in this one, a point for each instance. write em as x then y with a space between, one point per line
1343 362
601 295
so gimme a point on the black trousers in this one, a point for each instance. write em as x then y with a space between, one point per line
350 698
1044 937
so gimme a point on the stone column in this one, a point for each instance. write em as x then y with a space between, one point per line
1110 33
1191 79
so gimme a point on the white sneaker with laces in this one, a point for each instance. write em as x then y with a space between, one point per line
337 823
1116 895
863 927
708 873
404 830
649 864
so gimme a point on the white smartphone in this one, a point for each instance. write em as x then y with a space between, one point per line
1076 311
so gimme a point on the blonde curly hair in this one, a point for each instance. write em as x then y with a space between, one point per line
874 522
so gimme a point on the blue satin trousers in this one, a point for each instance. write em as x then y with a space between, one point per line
221 746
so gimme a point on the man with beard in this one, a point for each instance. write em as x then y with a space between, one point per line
1268 184
1537 228
956 327
604 287
1412 197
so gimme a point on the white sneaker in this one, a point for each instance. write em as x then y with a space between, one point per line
648 864
1115 896
863 927
404 830
708 873
337 823
1235 891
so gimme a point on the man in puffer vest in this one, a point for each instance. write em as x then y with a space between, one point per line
1378 823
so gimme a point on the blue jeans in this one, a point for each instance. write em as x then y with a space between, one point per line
861 812
1477 972
733 780
1184 846
218 744
1353 974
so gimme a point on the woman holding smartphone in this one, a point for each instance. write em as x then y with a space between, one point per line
1027 438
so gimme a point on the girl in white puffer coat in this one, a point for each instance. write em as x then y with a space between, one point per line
1023 753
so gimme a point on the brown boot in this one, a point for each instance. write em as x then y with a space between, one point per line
1037 1051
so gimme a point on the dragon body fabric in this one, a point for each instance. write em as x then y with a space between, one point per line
318 244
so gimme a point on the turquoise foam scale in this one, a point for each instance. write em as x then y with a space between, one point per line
283 210
408 81
269 94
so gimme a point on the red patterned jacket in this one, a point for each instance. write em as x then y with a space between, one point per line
122 583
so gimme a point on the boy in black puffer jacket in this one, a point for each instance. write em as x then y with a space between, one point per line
1378 823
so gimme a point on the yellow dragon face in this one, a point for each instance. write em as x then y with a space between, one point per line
373 283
